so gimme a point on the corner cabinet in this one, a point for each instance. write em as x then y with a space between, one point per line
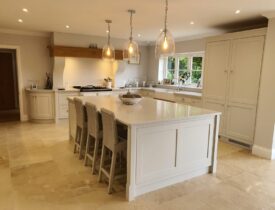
41 105
232 73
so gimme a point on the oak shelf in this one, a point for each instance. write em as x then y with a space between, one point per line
80 52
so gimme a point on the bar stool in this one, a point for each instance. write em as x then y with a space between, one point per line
94 135
112 142
81 127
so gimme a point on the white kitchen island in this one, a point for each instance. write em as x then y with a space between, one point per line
167 142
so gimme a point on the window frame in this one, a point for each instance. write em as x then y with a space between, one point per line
163 68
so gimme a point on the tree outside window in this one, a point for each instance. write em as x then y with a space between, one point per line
185 68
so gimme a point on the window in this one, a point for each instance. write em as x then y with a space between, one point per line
183 68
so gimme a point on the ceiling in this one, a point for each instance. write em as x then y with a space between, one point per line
87 16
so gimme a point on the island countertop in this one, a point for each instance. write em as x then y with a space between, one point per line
147 111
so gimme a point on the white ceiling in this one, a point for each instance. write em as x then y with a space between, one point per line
87 16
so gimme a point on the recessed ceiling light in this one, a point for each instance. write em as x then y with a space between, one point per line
25 10
192 23
237 11
160 30
20 20
139 35
67 26
107 31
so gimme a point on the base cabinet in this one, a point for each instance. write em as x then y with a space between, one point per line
41 105
62 106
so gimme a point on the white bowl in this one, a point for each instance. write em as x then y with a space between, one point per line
130 101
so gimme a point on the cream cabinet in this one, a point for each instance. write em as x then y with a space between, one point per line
41 105
62 106
231 82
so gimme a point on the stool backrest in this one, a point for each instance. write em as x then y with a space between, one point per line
109 129
80 112
93 120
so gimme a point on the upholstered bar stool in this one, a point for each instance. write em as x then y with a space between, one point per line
112 142
94 135
81 128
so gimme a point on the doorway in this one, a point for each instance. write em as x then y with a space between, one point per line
9 97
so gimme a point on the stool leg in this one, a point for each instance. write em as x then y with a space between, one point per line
87 149
82 142
112 172
101 163
80 136
95 154
76 137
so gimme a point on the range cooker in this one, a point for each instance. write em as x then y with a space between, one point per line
92 88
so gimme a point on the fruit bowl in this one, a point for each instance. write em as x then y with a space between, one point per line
130 98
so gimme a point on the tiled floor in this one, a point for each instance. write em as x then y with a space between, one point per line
39 171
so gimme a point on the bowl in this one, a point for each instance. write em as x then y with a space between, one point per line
129 98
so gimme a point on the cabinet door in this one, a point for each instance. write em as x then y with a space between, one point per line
44 103
216 70
219 107
245 70
32 106
240 123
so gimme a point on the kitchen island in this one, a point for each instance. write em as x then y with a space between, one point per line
167 142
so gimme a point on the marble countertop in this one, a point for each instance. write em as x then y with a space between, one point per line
147 111
40 90
164 90
159 90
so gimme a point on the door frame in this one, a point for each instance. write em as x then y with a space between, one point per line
23 117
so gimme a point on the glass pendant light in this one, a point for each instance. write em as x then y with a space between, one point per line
165 44
131 50
108 51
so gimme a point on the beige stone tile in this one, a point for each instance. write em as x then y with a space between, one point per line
38 170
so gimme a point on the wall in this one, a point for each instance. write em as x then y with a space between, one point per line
264 143
181 47
35 60
83 71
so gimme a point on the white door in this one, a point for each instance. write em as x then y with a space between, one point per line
216 70
219 107
44 103
32 106
244 80
240 123
245 70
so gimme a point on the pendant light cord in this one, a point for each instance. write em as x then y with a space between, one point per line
165 18
131 25
109 33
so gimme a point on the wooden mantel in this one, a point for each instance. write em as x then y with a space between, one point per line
80 52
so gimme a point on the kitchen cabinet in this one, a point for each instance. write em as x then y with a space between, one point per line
231 81
62 106
41 105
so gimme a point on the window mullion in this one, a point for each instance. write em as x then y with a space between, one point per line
176 76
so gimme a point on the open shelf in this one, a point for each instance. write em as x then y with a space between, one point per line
80 52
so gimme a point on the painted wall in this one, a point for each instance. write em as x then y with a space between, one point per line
83 71
264 135
35 60
195 45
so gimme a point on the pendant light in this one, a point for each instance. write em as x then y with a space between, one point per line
131 50
165 44
108 51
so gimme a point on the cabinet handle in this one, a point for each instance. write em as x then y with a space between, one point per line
225 71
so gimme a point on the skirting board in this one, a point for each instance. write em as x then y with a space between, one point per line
263 152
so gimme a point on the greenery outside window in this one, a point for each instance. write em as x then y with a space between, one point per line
184 68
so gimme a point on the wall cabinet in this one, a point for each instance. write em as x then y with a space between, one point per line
231 82
41 105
